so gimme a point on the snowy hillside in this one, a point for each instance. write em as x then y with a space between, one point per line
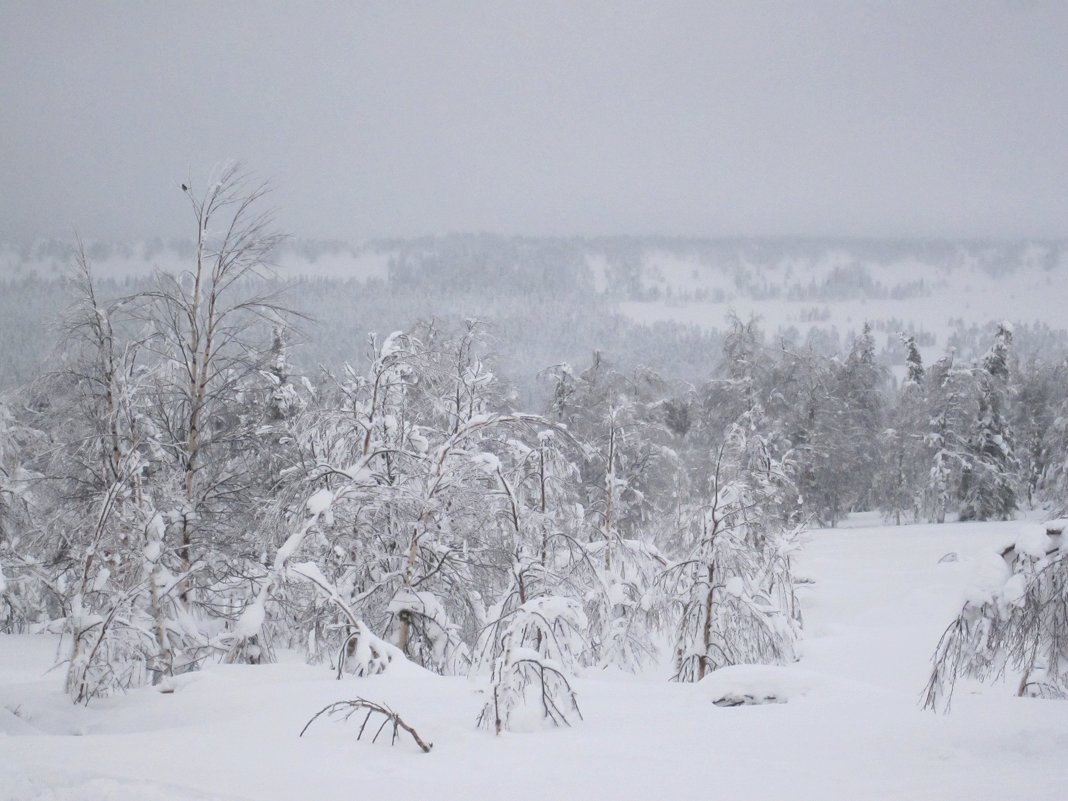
847 724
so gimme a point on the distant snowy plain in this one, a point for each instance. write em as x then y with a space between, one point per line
847 725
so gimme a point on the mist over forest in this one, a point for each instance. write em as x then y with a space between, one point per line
663 302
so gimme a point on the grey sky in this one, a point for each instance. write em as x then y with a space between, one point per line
892 119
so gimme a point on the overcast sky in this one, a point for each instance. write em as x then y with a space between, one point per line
895 119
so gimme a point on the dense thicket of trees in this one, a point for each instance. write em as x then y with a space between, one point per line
176 491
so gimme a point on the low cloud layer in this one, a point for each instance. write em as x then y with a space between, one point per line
396 119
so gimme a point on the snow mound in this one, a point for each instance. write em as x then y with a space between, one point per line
320 501
994 576
740 685
13 725
1035 541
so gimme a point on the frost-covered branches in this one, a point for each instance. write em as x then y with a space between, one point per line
1020 624
148 487
989 481
733 586
533 650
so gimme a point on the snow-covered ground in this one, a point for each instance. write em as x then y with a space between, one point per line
1032 296
849 726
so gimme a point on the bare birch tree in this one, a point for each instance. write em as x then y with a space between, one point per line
211 324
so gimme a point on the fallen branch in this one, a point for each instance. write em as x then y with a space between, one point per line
346 709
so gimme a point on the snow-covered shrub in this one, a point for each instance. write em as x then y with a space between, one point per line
624 612
732 585
533 652
1022 624
360 652
118 619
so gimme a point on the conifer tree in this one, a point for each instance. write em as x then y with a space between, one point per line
949 390
904 452
860 386
989 481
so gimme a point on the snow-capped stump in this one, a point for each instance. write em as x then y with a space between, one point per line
433 639
746 685
1034 542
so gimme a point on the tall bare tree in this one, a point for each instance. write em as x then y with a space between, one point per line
212 325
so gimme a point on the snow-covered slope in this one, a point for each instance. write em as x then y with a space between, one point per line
935 291
847 726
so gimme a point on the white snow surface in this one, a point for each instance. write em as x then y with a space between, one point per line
320 501
847 726
1033 294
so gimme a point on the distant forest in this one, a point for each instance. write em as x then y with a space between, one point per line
550 301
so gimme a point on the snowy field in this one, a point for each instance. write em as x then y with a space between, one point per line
949 299
850 728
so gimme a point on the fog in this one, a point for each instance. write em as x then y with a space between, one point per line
398 119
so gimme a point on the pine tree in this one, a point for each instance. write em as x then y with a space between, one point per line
949 390
861 385
1035 411
904 454
989 479
914 372
1053 483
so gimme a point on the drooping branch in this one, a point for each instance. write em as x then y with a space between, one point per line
346 709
